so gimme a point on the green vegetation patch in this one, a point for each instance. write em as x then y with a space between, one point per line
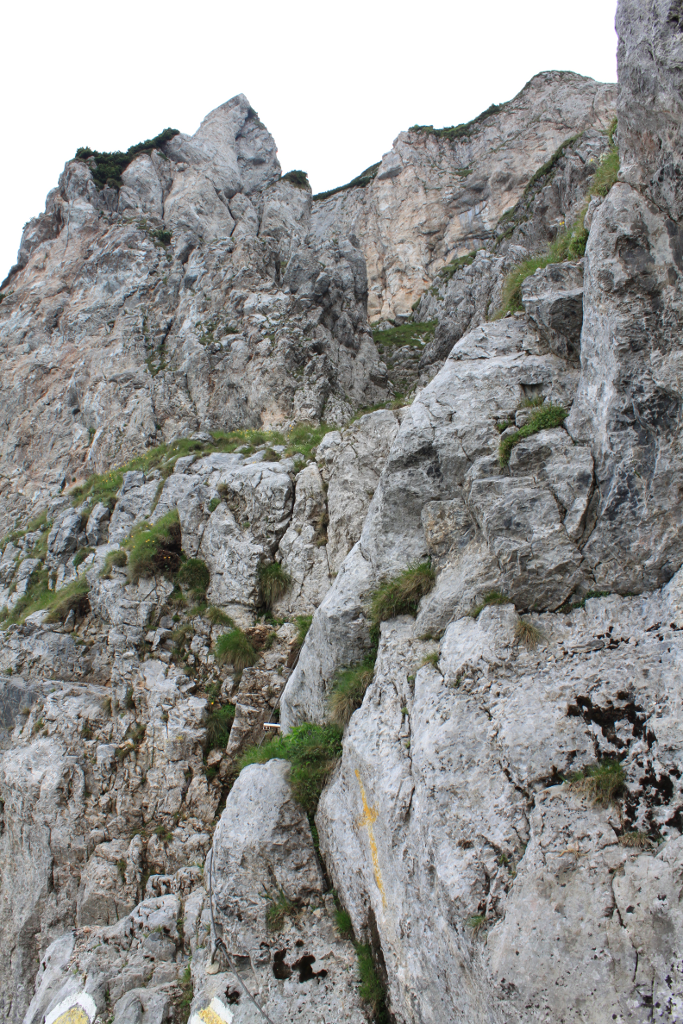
402 595
274 581
114 558
371 989
547 417
458 131
279 908
303 624
570 245
342 919
72 597
110 166
236 649
298 178
300 442
603 783
218 617
348 690
312 750
606 174
361 181
406 334
155 550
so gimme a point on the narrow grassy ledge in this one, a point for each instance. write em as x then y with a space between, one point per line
59 603
195 576
547 417
371 989
218 725
360 181
406 334
447 272
458 131
299 443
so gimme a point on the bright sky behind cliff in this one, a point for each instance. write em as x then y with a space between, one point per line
334 83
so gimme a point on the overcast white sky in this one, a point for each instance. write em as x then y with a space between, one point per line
334 83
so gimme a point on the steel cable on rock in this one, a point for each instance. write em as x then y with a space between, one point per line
218 943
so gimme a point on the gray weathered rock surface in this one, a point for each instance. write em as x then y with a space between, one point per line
143 875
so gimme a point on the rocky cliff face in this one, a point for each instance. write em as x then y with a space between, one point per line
308 716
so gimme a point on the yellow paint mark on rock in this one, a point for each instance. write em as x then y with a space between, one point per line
76 1015
367 820
214 1013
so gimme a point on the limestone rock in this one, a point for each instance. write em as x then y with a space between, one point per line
351 463
410 225
263 852
505 723
553 298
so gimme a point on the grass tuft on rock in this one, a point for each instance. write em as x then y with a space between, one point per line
636 840
602 783
547 417
571 243
279 908
155 550
298 178
448 271
312 750
218 725
81 556
348 690
528 635
274 581
217 617
402 595
195 576
236 649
